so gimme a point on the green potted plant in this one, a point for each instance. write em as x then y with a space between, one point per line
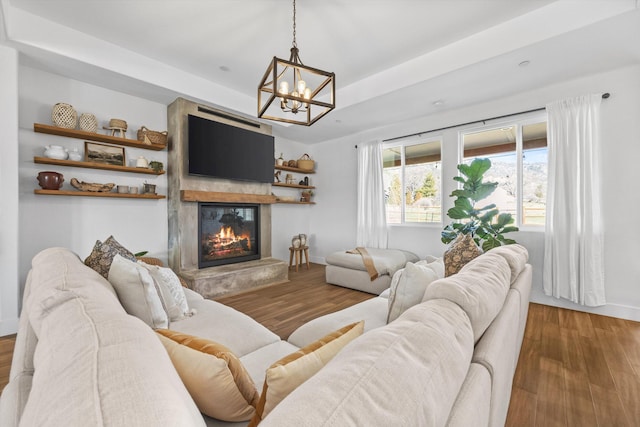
486 225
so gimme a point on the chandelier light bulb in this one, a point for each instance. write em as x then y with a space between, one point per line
284 88
301 86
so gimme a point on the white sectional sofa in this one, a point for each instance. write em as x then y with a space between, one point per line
81 360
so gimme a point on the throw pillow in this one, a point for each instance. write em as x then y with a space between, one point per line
171 291
289 372
461 251
137 292
214 376
409 290
102 255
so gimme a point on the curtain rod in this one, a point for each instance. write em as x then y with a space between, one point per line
604 96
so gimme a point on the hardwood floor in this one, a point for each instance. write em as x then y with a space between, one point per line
575 369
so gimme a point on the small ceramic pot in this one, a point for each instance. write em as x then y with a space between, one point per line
295 242
142 162
50 180
75 155
148 189
303 240
123 188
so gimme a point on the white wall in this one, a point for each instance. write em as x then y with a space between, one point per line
77 222
288 220
333 218
9 282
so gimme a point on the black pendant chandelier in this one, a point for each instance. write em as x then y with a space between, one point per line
305 94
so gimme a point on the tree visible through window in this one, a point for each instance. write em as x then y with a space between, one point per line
513 148
412 183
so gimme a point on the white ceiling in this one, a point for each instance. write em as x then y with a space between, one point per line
392 58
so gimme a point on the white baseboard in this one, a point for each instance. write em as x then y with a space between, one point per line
610 309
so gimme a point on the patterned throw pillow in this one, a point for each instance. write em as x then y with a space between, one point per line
461 251
103 253
171 290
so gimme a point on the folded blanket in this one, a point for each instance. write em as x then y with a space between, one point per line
367 260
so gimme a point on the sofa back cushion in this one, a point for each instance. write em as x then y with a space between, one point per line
94 364
479 289
407 373
408 285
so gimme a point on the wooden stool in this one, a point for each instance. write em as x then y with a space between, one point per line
299 252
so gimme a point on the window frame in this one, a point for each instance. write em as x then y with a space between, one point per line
519 122
424 139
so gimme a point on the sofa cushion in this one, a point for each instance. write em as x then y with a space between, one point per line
171 290
289 372
516 256
137 292
373 311
461 251
407 373
480 288
102 255
213 375
220 323
99 366
409 289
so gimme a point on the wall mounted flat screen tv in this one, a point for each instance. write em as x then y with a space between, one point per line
223 151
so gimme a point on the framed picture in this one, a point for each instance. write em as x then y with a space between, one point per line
104 154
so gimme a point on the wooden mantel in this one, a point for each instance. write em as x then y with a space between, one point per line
212 196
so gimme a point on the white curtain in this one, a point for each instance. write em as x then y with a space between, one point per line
573 250
371 229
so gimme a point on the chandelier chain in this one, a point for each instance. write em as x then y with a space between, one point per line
294 24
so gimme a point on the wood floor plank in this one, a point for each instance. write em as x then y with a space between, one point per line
608 408
579 403
628 389
572 356
522 410
550 408
598 371
526 376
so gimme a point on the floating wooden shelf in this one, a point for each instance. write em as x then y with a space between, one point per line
80 134
295 202
98 194
91 165
298 170
282 184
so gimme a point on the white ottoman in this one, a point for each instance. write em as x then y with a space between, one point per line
348 270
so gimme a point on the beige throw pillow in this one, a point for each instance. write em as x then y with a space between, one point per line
288 373
137 292
409 289
461 251
214 376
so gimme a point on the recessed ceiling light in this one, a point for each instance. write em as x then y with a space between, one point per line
524 63
224 68
438 103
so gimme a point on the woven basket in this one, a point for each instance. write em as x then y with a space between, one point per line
64 116
118 123
158 138
305 163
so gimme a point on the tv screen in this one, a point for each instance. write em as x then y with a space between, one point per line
224 151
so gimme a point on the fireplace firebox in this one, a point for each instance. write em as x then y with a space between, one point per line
228 233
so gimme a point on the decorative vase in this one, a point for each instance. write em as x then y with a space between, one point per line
88 123
57 152
303 240
280 160
64 116
50 180
295 242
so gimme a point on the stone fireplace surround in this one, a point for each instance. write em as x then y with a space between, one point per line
184 193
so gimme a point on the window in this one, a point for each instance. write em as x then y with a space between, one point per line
518 154
412 182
